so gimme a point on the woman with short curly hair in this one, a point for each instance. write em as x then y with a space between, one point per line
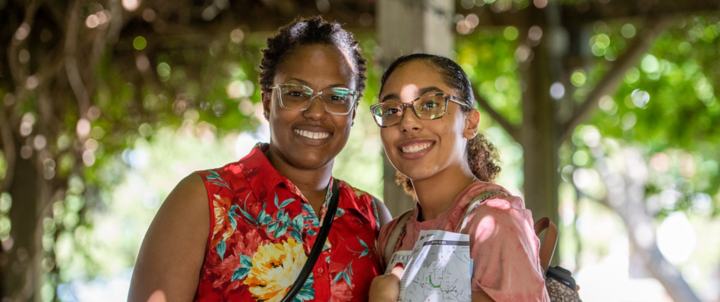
244 231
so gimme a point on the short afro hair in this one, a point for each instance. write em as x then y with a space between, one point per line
313 31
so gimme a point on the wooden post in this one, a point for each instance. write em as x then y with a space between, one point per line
539 133
406 27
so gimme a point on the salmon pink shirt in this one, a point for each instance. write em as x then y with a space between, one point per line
503 244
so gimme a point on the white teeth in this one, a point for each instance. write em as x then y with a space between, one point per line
313 135
416 148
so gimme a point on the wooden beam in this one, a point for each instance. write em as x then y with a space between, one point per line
596 11
591 11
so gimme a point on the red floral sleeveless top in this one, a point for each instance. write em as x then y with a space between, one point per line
262 230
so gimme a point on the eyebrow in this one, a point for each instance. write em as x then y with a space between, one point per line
305 83
422 91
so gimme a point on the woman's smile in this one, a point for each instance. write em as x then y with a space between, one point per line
312 135
415 149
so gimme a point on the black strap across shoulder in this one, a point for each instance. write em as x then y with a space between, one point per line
318 246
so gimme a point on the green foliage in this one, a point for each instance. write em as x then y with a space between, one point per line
488 59
668 105
668 100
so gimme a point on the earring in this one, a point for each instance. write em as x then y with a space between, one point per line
352 124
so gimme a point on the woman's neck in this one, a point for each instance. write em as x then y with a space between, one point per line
311 182
435 194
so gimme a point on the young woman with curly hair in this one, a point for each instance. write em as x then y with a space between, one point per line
243 232
430 134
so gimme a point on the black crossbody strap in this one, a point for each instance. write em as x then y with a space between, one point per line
318 246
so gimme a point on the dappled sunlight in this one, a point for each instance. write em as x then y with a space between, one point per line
625 109
157 296
488 225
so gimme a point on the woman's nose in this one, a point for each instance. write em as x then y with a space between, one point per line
409 121
316 109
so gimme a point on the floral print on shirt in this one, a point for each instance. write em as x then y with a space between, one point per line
263 230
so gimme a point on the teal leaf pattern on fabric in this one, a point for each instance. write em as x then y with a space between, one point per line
339 213
375 211
221 249
297 222
297 227
295 234
245 261
364 252
263 218
231 215
310 218
232 212
240 274
248 216
362 242
232 221
286 202
272 227
345 274
214 178
307 292
280 231
244 270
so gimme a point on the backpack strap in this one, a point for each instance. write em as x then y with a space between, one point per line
549 242
395 234
475 203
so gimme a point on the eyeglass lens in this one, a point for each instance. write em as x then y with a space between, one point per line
335 99
427 107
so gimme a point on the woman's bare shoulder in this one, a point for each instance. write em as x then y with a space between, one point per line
173 250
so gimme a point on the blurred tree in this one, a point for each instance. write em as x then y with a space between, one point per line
82 80
560 62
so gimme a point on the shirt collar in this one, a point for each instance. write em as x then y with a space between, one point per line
260 173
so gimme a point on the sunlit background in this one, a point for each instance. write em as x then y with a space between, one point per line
639 179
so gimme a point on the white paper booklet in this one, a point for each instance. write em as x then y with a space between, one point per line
439 268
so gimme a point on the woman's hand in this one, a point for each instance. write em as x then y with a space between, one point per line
386 288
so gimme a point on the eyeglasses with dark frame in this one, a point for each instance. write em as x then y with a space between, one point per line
336 100
425 107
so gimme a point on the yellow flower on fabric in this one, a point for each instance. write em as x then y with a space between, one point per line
223 226
274 268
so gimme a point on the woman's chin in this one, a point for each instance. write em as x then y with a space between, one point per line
417 174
